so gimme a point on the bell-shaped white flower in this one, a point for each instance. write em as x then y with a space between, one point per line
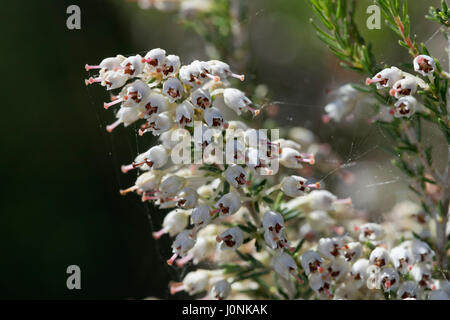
222 70
424 65
386 78
146 182
154 158
421 274
174 222
402 258
171 185
155 58
185 114
230 239
285 266
194 282
189 75
236 176
352 251
228 204
126 116
133 65
107 64
187 198
371 232
311 262
320 285
155 103
295 186
337 268
201 98
330 248
405 107
182 244
408 289
359 272
157 123
388 279
291 158
171 66
422 251
214 118
404 87
237 101
173 89
379 257
221 289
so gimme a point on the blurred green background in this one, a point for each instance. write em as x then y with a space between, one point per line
60 171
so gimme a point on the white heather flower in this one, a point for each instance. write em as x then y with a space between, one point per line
408 289
404 87
344 104
231 239
170 185
214 118
284 265
330 247
352 251
371 232
257 163
133 65
171 66
236 176
337 268
311 262
438 295
422 251
222 70
126 116
154 158
155 58
388 279
174 222
156 103
294 186
373 273
291 158
107 64
134 94
182 244
221 289
185 114
273 222
173 89
237 101
424 65
111 80
405 107
157 124
321 200
228 204
320 284
201 98
379 257
200 215
235 151
189 75
146 182
421 274
204 70
187 198
386 78
402 258
359 272
194 282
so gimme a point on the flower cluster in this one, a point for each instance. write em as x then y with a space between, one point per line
403 85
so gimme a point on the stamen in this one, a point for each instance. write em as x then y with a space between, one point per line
215 78
177 287
170 262
238 76
113 125
92 80
88 67
253 110
159 234
112 103
212 213
181 262
370 81
127 168
300 281
130 189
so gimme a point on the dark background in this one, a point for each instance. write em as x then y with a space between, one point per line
60 170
